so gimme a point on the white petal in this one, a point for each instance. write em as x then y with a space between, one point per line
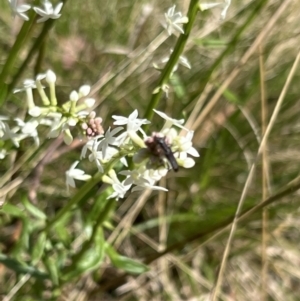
40 11
35 112
193 152
50 77
70 182
23 8
188 163
83 177
134 114
58 8
182 20
68 138
205 6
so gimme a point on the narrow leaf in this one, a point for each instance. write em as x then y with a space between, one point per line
127 264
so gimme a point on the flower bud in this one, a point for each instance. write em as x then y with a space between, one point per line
50 77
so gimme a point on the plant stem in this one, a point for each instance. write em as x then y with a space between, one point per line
14 54
179 47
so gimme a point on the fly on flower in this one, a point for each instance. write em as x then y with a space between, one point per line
159 146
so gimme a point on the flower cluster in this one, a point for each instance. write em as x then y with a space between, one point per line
49 12
152 156
61 119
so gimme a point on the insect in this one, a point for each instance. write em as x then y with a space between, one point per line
158 146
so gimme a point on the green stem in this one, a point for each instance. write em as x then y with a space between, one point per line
14 54
179 47
84 190
39 60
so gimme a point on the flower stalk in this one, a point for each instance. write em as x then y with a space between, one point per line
168 69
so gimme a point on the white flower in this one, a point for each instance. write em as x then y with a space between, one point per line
56 125
28 85
141 180
133 123
184 161
108 139
61 125
154 175
7 134
49 12
174 20
19 10
164 87
97 155
54 121
88 146
120 189
28 129
133 177
170 121
225 5
182 61
184 144
75 174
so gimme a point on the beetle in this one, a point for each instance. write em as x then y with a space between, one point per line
159 146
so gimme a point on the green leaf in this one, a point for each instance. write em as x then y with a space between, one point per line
127 264
211 43
36 212
12 210
178 86
20 267
88 260
62 230
50 264
99 207
93 256
38 248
